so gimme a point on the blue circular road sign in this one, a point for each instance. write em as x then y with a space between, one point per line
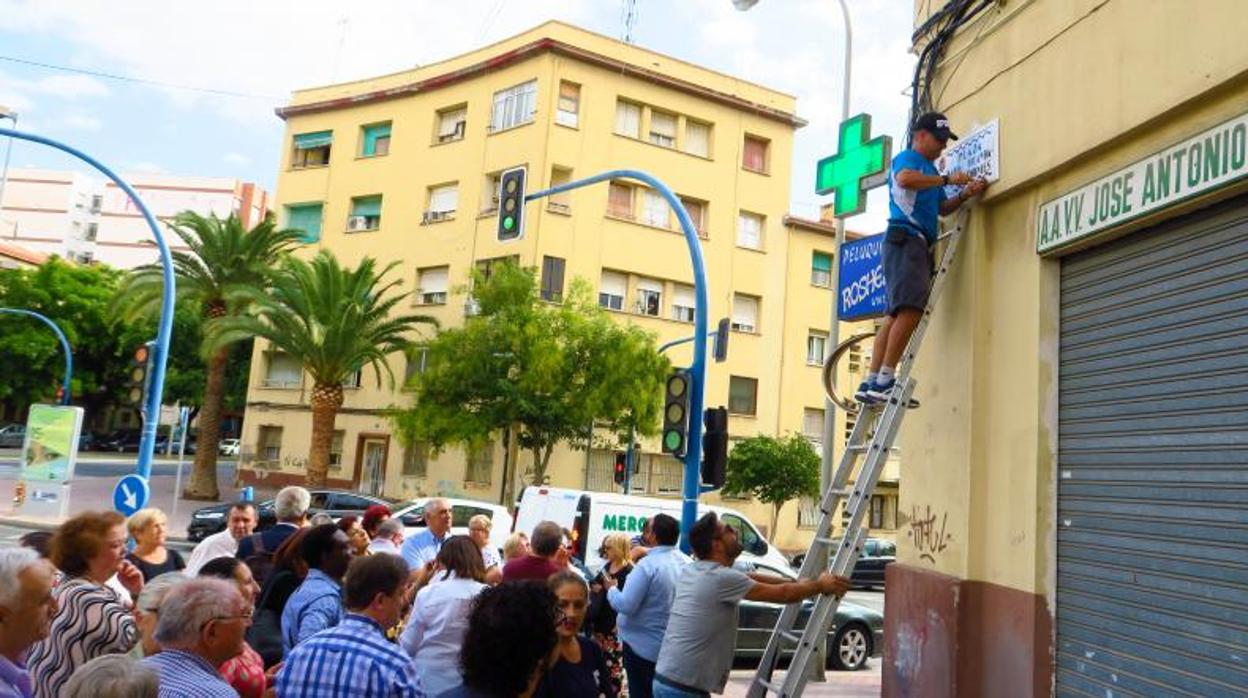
131 494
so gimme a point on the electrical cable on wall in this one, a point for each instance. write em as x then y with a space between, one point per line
941 26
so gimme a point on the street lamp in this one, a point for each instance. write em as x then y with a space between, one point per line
6 113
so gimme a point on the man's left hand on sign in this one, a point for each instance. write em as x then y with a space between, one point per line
976 186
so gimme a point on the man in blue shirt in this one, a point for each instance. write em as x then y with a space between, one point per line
317 603
644 604
354 659
422 548
916 200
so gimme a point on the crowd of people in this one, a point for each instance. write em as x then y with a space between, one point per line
355 608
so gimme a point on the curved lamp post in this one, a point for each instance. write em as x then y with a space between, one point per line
69 355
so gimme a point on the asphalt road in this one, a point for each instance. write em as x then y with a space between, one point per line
116 465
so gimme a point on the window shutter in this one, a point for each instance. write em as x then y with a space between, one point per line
821 262
444 199
366 206
305 217
628 119
745 312
620 200
663 124
683 295
552 278
656 212
435 280
754 155
374 133
318 139
812 424
697 138
697 213
749 231
614 283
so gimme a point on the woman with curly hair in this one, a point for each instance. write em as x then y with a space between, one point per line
511 632
92 620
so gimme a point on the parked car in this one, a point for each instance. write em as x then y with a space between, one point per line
228 447
877 554
208 520
856 635
129 443
86 442
412 514
12 436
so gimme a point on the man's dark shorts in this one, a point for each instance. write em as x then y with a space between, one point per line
908 268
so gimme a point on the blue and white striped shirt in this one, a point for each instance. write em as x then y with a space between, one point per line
186 675
352 659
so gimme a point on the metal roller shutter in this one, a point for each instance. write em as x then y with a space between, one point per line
1152 526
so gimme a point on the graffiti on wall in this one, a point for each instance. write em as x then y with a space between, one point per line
929 538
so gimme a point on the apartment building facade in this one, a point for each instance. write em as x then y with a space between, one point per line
405 167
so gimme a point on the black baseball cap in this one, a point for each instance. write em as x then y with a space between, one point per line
936 124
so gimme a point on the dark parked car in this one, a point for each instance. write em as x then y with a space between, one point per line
86 442
856 635
128 442
12 436
337 503
869 572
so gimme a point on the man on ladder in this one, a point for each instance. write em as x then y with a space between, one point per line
916 200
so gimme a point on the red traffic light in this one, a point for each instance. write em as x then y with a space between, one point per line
140 354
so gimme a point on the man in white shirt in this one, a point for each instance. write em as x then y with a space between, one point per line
389 538
241 523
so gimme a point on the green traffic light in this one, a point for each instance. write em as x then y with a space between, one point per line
509 223
672 440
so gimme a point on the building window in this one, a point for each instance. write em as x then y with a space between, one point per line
611 290
354 380
486 266
270 449
877 511
432 284
93 229
620 201
365 214
807 513
480 468
335 449
754 154
282 370
443 200
649 297
561 202
552 279
697 214
417 360
662 128
742 395
682 303
452 123
514 106
311 149
375 141
489 193
305 217
569 107
97 202
812 425
697 138
816 347
628 119
854 361
821 269
750 231
744 313
655 210
416 460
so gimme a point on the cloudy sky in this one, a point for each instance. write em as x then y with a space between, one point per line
202 79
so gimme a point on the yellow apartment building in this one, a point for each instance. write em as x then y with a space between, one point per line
405 166
1076 489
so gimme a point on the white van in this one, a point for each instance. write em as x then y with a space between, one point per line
592 515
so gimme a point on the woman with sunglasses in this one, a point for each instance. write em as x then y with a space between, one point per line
615 550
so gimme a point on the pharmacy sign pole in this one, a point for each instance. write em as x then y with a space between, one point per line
164 330
691 487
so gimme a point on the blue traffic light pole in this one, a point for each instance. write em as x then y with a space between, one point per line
69 355
147 445
697 370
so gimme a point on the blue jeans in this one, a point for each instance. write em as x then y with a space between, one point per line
662 690
640 673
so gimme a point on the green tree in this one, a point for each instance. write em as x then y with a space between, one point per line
226 267
333 320
773 470
545 371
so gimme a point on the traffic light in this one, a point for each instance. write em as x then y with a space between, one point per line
721 341
621 466
715 447
140 377
511 204
676 413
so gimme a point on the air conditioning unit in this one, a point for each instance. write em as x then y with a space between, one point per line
434 216
357 223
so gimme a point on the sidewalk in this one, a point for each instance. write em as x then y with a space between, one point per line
842 684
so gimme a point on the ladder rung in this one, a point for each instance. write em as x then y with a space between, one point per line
826 541
771 686
791 636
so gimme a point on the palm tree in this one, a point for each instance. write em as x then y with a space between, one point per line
226 265
334 321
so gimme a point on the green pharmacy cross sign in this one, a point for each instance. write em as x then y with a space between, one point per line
859 164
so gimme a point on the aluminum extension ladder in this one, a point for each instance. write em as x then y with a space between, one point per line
872 440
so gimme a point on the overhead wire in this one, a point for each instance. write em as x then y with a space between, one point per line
137 80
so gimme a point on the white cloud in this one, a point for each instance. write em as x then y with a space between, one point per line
71 86
142 167
81 122
235 159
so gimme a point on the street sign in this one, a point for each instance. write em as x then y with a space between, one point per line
131 494
978 154
860 163
861 293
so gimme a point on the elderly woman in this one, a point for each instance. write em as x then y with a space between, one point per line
147 610
479 531
356 534
244 673
113 676
515 547
148 528
91 621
